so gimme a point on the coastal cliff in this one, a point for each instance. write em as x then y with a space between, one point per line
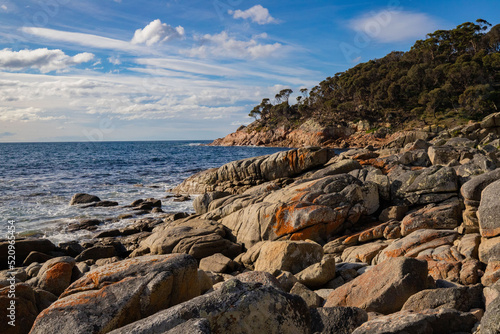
450 78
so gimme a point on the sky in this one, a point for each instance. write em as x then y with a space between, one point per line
113 70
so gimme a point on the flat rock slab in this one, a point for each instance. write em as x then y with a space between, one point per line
383 289
417 242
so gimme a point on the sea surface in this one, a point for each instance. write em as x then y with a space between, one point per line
37 180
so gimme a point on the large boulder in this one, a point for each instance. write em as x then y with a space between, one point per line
384 288
442 155
55 274
294 220
117 294
471 190
459 298
433 216
23 248
429 185
489 211
338 320
292 256
201 203
318 274
442 321
19 318
82 198
254 170
235 308
490 323
199 238
489 249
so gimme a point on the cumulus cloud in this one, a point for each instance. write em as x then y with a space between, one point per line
157 32
257 14
224 46
44 60
390 26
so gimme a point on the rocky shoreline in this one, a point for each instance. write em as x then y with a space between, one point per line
399 238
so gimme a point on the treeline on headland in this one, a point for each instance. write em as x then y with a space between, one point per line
452 76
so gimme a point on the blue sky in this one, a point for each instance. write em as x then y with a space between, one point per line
165 70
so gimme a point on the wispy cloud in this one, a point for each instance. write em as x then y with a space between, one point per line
157 32
44 60
224 46
388 26
89 40
257 14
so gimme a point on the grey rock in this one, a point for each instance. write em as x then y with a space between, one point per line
489 211
96 252
460 298
201 203
338 320
235 308
23 248
309 296
490 323
472 189
442 321
117 294
82 198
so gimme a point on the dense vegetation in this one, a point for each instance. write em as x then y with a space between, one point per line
453 74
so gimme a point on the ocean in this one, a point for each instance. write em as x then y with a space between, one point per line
37 180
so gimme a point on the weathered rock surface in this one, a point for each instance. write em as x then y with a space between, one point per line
235 308
446 215
114 295
23 248
462 299
254 170
417 242
489 211
429 185
82 198
338 320
292 256
443 321
55 274
25 309
319 273
199 238
490 323
384 288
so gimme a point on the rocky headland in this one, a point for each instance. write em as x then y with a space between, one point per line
404 238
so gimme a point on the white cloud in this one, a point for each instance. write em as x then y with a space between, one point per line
157 32
389 26
224 46
115 60
88 40
3 7
44 59
257 14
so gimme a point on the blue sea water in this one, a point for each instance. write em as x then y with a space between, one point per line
37 180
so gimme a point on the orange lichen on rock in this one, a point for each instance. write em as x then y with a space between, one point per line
59 270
